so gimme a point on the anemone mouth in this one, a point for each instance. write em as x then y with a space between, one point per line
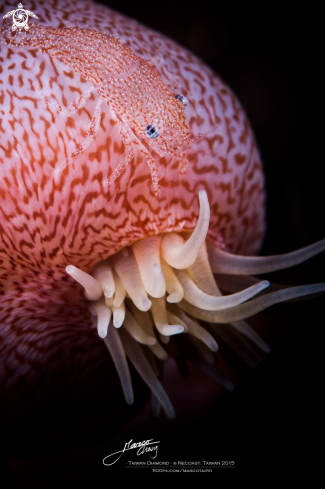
164 286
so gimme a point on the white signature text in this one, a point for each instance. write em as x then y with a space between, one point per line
149 446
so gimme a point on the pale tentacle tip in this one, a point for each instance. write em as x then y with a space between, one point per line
171 414
70 269
174 297
117 322
118 316
173 329
203 195
102 333
146 305
108 292
129 400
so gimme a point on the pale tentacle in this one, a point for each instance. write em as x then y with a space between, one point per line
118 315
173 286
151 359
205 352
182 255
127 269
103 313
196 297
155 406
144 319
195 329
237 343
93 290
164 339
159 314
247 331
115 347
252 307
125 280
147 254
202 274
142 365
158 350
209 370
172 318
103 273
223 262
148 326
120 291
135 331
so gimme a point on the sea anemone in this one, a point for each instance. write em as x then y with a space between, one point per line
158 229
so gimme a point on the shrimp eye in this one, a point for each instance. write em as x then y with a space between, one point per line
152 131
182 99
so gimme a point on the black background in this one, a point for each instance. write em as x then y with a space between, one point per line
272 58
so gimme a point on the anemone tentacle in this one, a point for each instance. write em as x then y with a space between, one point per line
164 318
